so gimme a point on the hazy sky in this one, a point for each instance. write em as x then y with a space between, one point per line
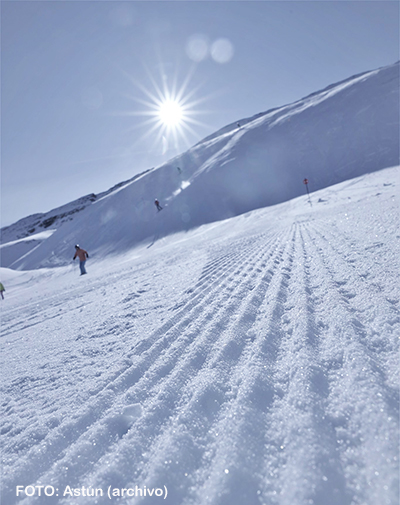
82 81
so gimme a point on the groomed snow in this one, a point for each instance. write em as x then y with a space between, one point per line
249 361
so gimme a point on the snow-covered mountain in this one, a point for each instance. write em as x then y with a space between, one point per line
27 233
251 361
37 223
349 129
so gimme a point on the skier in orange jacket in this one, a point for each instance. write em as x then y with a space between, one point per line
82 255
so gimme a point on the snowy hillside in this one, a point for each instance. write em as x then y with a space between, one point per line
346 130
27 233
251 361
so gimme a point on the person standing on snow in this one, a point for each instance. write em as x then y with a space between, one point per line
82 255
157 204
2 289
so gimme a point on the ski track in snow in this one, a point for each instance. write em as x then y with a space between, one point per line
268 379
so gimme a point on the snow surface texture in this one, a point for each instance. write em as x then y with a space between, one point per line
250 361
346 130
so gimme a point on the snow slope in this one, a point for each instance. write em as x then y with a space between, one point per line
27 233
9 251
349 129
249 361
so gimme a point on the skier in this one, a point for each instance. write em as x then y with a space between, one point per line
157 204
179 169
82 255
2 289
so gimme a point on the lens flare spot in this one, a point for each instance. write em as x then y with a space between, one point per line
222 51
197 48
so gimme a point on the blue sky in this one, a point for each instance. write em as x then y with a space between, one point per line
82 81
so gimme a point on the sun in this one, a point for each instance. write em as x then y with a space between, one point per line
170 113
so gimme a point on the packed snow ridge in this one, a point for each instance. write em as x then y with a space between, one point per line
250 361
349 129
238 347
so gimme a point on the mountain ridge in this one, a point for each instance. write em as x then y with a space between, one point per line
345 130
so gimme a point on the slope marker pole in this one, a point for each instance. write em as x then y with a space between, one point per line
308 193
